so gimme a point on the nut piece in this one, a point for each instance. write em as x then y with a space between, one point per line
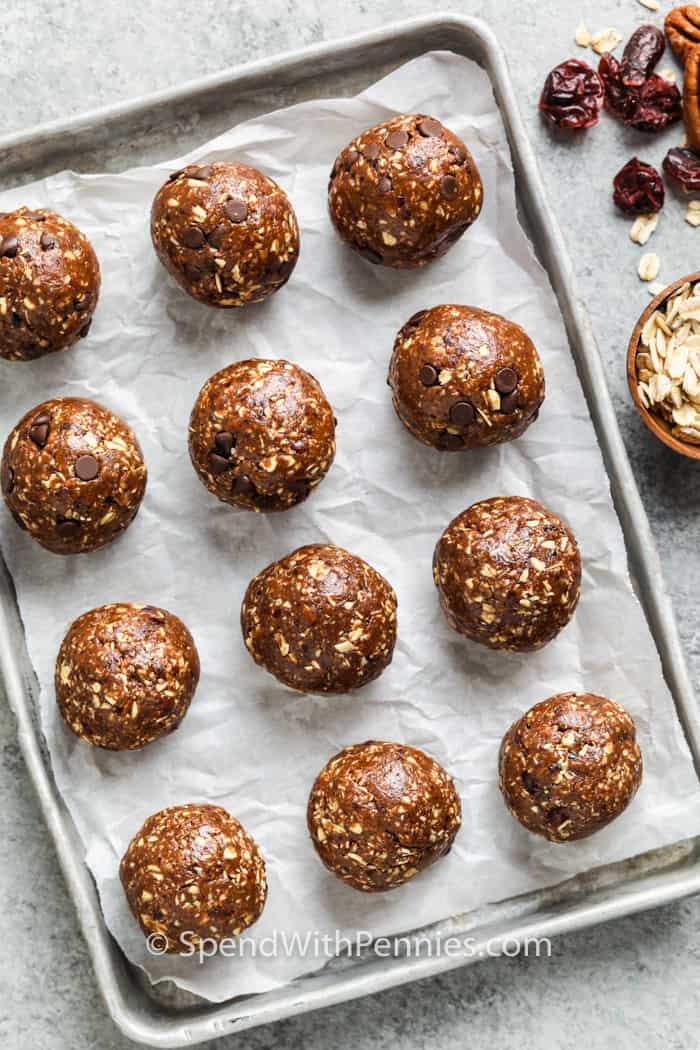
49 284
72 475
404 191
225 232
691 97
508 573
682 27
668 363
649 266
380 813
320 620
570 765
193 873
692 215
125 675
464 378
262 435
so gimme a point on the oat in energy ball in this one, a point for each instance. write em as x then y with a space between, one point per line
193 873
225 232
125 675
72 475
570 765
464 378
508 573
262 435
404 191
49 284
380 813
320 620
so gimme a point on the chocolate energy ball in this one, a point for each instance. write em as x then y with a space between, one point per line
464 378
72 475
49 284
570 765
262 435
226 233
193 873
508 573
379 813
125 675
403 192
320 620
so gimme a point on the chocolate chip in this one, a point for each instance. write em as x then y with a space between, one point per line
47 241
301 487
174 175
192 237
450 442
458 154
8 248
81 303
237 211
16 319
39 430
462 414
350 158
384 184
67 527
216 237
225 441
86 468
430 128
396 139
243 486
449 187
85 329
415 319
529 782
202 174
371 151
506 380
218 464
557 816
509 403
428 375
192 272
9 480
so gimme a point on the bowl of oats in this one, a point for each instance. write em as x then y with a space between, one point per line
663 366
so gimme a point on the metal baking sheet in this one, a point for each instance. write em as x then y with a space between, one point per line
170 122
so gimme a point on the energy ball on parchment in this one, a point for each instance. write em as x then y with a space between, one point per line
262 435
404 191
570 765
320 620
464 378
125 675
226 233
49 284
72 475
508 572
379 813
193 873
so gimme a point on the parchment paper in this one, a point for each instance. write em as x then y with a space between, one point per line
248 743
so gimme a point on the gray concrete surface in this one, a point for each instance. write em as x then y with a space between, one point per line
631 983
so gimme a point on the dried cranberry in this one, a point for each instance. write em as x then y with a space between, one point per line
642 52
638 189
651 107
684 166
572 96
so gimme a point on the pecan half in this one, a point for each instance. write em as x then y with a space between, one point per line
682 27
691 98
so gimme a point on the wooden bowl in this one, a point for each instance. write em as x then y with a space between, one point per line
658 426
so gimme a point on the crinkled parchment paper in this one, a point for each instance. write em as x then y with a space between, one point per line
247 743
